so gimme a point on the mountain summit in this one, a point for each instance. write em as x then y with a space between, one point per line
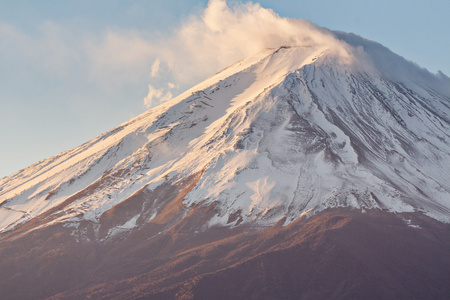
276 144
289 131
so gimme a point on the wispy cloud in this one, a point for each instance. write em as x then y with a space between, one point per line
221 35
118 58
202 45
157 96
49 48
108 60
155 68
153 93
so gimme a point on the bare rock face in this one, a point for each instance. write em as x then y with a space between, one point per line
302 172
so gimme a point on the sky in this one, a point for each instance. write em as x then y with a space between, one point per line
71 70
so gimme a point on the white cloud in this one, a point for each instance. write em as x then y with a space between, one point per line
167 96
153 94
157 96
222 35
155 68
108 60
119 60
203 44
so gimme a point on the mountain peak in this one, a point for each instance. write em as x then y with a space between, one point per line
289 131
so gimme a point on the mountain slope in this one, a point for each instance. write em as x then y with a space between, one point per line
256 175
335 254
288 131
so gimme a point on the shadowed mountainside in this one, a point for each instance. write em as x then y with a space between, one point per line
336 254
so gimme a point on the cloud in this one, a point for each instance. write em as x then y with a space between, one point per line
157 96
153 93
119 60
155 68
219 36
167 96
222 35
108 60
48 49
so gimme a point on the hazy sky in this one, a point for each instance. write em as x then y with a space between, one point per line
73 69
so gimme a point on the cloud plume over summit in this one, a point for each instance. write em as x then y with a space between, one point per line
116 60
223 34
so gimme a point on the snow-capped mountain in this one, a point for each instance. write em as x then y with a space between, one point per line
287 132
303 172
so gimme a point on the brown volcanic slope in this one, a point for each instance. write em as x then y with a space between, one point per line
335 254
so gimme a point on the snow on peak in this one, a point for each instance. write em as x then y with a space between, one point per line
287 131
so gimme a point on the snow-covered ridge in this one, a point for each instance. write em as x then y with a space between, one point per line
288 131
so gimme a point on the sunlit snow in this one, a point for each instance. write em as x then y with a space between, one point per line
287 132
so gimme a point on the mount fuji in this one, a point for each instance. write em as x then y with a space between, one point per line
304 171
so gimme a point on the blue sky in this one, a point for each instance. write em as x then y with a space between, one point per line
70 70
